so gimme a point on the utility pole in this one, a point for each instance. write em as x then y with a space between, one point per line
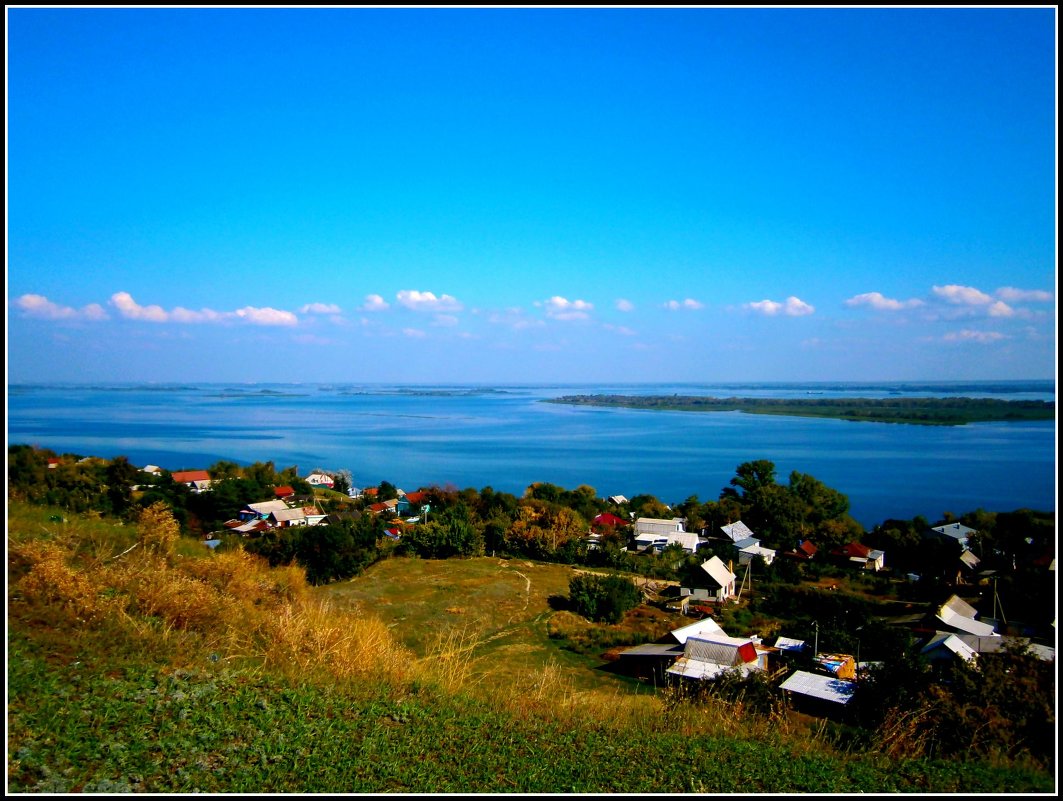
815 652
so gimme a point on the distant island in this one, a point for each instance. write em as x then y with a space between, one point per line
916 411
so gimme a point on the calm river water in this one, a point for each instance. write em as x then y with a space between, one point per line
504 437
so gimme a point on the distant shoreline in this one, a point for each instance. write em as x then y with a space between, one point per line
912 411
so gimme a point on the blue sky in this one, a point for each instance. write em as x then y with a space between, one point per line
534 195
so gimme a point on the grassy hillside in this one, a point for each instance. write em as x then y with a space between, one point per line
148 669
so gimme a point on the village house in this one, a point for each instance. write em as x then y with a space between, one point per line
196 480
958 616
716 584
957 532
320 480
862 556
804 551
738 532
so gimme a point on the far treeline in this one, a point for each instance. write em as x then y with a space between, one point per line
918 411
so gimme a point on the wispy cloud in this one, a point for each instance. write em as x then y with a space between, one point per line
791 307
427 301
619 329
689 305
320 308
876 300
514 318
560 308
624 305
979 337
414 333
374 303
1013 295
39 306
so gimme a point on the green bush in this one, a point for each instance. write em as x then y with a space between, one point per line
602 598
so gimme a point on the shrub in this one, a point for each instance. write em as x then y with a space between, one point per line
602 598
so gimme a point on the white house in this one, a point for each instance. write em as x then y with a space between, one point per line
656 533
719 580
320 480
959 615
746 555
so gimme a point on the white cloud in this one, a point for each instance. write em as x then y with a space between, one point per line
131 310
414 333
624 305
791 307
94 311
876 300
320 308
427 301
688 304
559 308
1010 293
39 306
967 335
445 320
182 315
266 316
619 329
1001 309
374 303
962 295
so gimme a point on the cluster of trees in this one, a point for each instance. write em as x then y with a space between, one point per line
550 523
602 599
117 488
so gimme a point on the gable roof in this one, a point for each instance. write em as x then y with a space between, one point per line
266 507
188 476
950 642
853 549
288 515
958 614
717 571
609 519
737 531
702 628
721 650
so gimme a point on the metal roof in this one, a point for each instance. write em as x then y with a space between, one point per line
703 627
822 687
718 571
737 531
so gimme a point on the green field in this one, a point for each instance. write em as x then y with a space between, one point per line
190 670
499 608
